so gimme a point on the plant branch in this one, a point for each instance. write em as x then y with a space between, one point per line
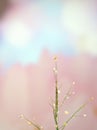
73 115
30 122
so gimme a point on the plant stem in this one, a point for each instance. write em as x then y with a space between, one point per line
73 115
55 110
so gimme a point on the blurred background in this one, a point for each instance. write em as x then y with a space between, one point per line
32 32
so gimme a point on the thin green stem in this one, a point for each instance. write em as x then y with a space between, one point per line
73 115
31 123
56 107
66 96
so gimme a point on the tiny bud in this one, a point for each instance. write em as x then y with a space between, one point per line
58 112
59 91
55 71
54 105
29 123
21 116
66 112
84 115
56 126
55 58
65 124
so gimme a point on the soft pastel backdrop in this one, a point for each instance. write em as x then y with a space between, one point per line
33 32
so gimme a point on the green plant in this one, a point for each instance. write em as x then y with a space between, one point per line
56 106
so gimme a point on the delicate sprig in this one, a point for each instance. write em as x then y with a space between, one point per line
72 116
30 122
56 107
67 95
55 104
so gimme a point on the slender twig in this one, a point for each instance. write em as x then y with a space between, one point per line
55 110
30 122
68 94
72 116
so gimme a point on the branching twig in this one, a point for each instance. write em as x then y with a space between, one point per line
55 110
55 104
72 116
68 94
30 122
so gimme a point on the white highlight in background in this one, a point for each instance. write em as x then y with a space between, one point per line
18 34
